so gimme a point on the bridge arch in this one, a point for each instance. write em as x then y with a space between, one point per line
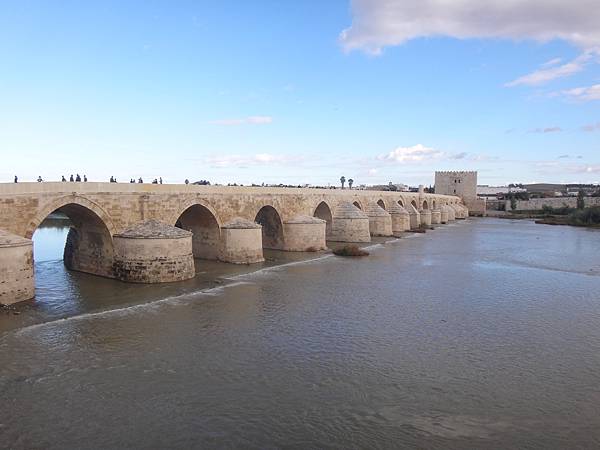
425 205
357 204
201 220
323 212
414 204
401 202
89 245
381 203
272 227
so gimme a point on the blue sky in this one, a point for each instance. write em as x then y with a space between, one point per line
300 92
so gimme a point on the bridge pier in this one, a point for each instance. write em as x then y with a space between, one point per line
443 215
153 252
304 233
16 269
414 217
451 213
436 216
380 221
400 219
241 242
425 215
349 224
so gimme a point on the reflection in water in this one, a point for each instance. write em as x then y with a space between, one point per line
481 334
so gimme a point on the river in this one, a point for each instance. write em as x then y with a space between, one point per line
480 334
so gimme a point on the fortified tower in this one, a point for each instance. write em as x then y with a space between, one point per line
462 184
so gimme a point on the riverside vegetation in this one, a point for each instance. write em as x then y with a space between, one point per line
579 217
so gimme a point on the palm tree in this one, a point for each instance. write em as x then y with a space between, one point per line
342 180
350 182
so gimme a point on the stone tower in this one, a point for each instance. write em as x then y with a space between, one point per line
462 184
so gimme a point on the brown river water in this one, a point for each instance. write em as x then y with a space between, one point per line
480 334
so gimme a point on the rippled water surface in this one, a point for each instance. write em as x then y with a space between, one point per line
480 334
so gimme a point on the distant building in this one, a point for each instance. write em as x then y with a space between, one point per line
493 191
462 184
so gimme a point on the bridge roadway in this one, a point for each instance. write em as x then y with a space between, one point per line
152 233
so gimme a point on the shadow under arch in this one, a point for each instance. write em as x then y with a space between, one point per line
323 212
272 227
414 204
89 245
401 202
357 204
425 204
202 222
381 203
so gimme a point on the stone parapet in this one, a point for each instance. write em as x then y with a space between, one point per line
415 217
436 216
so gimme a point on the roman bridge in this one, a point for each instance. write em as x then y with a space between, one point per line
152 233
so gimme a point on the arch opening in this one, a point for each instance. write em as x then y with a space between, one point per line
381 203
414 204
425 205
401 203
323 212
272 227
206 233
357 205
85 239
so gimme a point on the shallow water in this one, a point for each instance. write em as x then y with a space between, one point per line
480 334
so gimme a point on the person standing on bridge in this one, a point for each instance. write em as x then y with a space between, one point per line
63 178
71 179
160 180
77 178
84 179
16 179
140 180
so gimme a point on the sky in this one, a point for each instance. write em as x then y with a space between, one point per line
300 92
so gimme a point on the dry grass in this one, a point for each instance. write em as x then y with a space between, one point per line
350 250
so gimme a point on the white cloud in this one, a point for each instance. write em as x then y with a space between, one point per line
252 120
416 153
380 23
583 94
259 159
547 74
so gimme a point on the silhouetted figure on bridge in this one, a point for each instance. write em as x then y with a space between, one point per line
84 179
155 181
63 178
39 180
187 181
160 180
140 180
77 178
71 179
16 179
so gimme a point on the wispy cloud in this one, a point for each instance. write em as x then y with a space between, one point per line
546 130
570 157
550 72
252 120
259 159
591 127
380 23
583 94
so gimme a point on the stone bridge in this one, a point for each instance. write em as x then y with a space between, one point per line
152 233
